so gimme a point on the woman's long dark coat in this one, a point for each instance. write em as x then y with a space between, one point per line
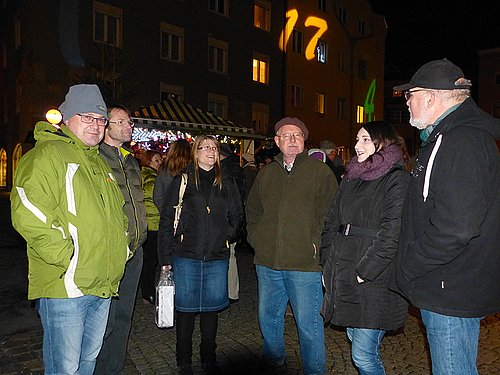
374 205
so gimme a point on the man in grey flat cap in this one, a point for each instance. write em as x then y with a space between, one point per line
448 262
68 207
286 210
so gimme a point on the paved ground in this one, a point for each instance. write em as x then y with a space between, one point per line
152 350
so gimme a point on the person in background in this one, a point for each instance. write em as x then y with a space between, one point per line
231 167
285 213
150 162
250 170
334 161
448 263
126 171
360 241
178 158
210 219
63 196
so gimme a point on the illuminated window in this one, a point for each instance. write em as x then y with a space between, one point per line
341 108
320 103
342 63
322 5
260 117
3 168
218 6
260 68
360 114
16 157
217 104
168 91
262 15
172 43
343 15
108 24
298 41
217 56
321 51
297 96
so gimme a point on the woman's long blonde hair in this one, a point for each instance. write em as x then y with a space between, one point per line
194 156
178 158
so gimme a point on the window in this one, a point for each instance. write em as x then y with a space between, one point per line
496 110
218 6
342 63
262 15
297 96
497 78
217 55
298 41
260 117
3 168
171 91
360 114
260 68
321 51
322 5
341 108
172 43
217 104
362 67
107 24
397 116
17 31
343 15
361 26
320 103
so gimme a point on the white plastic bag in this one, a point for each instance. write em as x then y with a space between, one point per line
165 290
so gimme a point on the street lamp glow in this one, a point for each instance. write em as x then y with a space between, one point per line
53 116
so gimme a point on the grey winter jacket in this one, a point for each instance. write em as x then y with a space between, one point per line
127 173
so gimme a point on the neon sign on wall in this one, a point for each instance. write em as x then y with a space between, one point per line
293 15
311 21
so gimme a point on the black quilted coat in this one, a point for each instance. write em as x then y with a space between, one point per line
374 208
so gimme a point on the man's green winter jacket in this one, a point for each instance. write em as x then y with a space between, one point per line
286 213
68 207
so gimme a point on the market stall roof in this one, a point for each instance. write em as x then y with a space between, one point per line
176 114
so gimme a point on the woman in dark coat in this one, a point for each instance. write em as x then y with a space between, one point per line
210 219
360 241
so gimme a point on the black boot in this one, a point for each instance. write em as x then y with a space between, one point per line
185 369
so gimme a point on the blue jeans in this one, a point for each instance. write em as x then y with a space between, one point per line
111 359
366 350
73 330
453 343
305 293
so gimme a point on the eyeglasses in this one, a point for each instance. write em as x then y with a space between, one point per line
409 93
123 123
87 119
288 136
208 148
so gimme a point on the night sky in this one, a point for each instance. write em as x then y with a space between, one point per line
420 31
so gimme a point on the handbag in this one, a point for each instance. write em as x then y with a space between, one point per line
178 207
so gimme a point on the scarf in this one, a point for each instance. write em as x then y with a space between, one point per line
381 162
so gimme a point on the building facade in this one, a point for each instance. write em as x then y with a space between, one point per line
251 62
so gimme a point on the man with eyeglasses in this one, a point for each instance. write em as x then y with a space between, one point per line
448 262
127 173
286 210
68 207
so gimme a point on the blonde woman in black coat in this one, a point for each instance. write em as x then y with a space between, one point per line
198 252
360 241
